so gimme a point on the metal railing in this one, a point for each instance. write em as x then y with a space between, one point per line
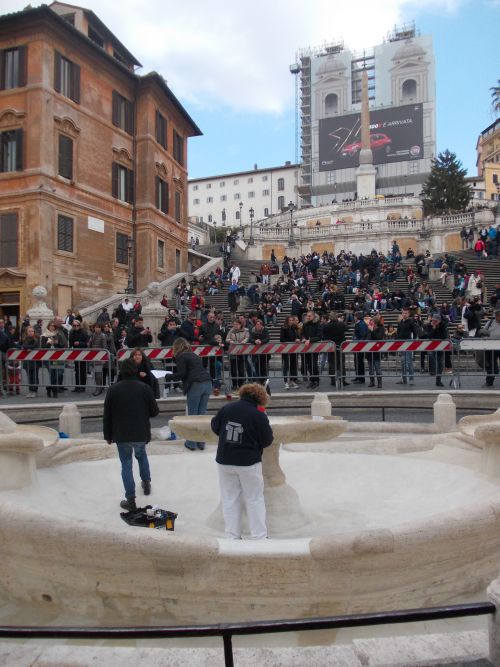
228 630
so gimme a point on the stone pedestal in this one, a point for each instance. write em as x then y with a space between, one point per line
321 406
70 421
445 414
40 310
17 456
365 181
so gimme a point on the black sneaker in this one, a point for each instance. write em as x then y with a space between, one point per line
129 504
146 485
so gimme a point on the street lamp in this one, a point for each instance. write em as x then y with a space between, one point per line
241 208
291 208
130 277
250 240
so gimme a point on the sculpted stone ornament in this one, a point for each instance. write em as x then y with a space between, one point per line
40 311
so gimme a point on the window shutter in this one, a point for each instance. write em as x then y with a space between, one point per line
57 72
164 197
129 117
19 150
131 190
8 240
75 70
114 179
23 62
157 189
114 112
158 138
2 70
65 156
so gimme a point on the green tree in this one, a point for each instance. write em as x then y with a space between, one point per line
446 190
495 97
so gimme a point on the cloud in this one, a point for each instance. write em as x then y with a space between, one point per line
236 55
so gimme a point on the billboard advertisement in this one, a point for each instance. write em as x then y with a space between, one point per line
396 134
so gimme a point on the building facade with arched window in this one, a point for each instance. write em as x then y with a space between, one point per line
401 88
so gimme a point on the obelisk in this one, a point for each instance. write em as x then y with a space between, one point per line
365 173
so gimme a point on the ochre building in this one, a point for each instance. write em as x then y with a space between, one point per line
93 179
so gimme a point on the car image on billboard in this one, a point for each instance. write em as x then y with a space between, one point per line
396 134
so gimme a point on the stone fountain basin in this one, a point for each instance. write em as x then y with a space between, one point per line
382 532
285 429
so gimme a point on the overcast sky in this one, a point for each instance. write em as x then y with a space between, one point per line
228 63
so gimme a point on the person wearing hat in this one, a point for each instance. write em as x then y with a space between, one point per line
436 329
491 357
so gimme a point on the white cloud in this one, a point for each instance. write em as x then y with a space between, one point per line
237 54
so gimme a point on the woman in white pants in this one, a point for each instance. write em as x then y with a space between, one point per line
243 429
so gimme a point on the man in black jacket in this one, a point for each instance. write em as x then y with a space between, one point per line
138 336
335 330
128 407
244 431
436 329
407 330
311 333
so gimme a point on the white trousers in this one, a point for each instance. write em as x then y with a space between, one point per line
238 485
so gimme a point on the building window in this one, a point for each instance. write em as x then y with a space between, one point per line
65 157
222 184
11 150
65 233
265 193
210 200
121 248
161 129
70 18
409 90
331 103
495 179
195 187
209 217
8 239
123 113
161 254
66 78
281 184
264 178
177 261
161 195
413 167
178 148
251 195
250 180
178 207
266 212
236 181
237 195
223 198
95 36
237 215
208 186
281 203
122 183
13 68
196 201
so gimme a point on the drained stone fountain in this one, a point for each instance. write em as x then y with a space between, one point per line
378 529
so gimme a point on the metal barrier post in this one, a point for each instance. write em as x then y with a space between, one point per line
228 649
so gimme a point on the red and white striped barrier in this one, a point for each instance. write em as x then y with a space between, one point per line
62 354
397 346
282 348
166 352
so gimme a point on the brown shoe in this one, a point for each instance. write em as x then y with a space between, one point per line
216 392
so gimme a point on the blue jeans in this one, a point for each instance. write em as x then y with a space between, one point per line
197 402
407 365
125 451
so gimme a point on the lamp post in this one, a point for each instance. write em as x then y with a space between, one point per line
130 276
215 231
250 240
291 208
223 217
241 208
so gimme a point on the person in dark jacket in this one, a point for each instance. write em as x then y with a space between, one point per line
196 382
311 333
376 331
436 329
335 330
31 341
407 330
259 335
137 335
128 407
360 333
244 431
187 328
210 334
290 334
78 338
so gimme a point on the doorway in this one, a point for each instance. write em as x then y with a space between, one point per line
64 299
